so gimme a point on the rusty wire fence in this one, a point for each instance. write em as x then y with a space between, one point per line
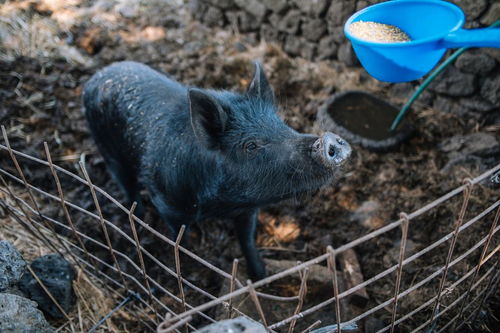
167 300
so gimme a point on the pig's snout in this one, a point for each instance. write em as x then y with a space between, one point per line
331 149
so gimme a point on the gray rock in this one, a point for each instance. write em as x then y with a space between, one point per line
20 315
14 291
290 22
468 144
232 18
268 33
254 7
337 33
401 90
243 21
492 15
472 8
292 45
214 17
236 325
12 265
477 103
339 11
128 9
57 275
475 63
198 9
492 52
490 90
103 5
454 83
277 6
426 98
361 4
224 4
313 29
275 20
346 54
314 8
308 50
448 105
327 48
477 150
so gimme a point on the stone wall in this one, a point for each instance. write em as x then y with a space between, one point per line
313 29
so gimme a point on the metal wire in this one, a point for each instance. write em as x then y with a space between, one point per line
127 300
172 299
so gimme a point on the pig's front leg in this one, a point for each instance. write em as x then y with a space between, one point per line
246 226
173 219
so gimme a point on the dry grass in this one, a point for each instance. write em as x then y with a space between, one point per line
44 33
92 300
23 34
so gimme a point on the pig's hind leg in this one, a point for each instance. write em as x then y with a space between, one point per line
246 227
107 126
127 180
120 167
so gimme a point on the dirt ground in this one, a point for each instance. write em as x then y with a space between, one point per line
50 49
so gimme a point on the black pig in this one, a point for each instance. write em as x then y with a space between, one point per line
204 153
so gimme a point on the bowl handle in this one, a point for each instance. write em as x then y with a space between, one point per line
485 37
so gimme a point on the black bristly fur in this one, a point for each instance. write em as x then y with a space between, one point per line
200 153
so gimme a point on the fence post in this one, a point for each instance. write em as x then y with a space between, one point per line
255 299
178 267
332 265
234 271
494 280
29 225
302 294
404 237
101 220
20 171
478 268
32 198
138 248
63 204
458 224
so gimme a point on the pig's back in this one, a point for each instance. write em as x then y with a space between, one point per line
127 102
133 90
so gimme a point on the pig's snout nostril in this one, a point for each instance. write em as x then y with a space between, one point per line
331 151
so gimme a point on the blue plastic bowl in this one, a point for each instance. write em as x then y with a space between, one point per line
433 26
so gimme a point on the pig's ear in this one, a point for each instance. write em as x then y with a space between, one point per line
208 118
260 87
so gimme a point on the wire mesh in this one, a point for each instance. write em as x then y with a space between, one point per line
181 304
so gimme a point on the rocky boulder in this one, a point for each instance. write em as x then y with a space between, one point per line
12 265
57 275
481 149
20 315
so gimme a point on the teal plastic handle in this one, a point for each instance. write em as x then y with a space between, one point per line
486 37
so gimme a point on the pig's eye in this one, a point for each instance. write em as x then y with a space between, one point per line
250 147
